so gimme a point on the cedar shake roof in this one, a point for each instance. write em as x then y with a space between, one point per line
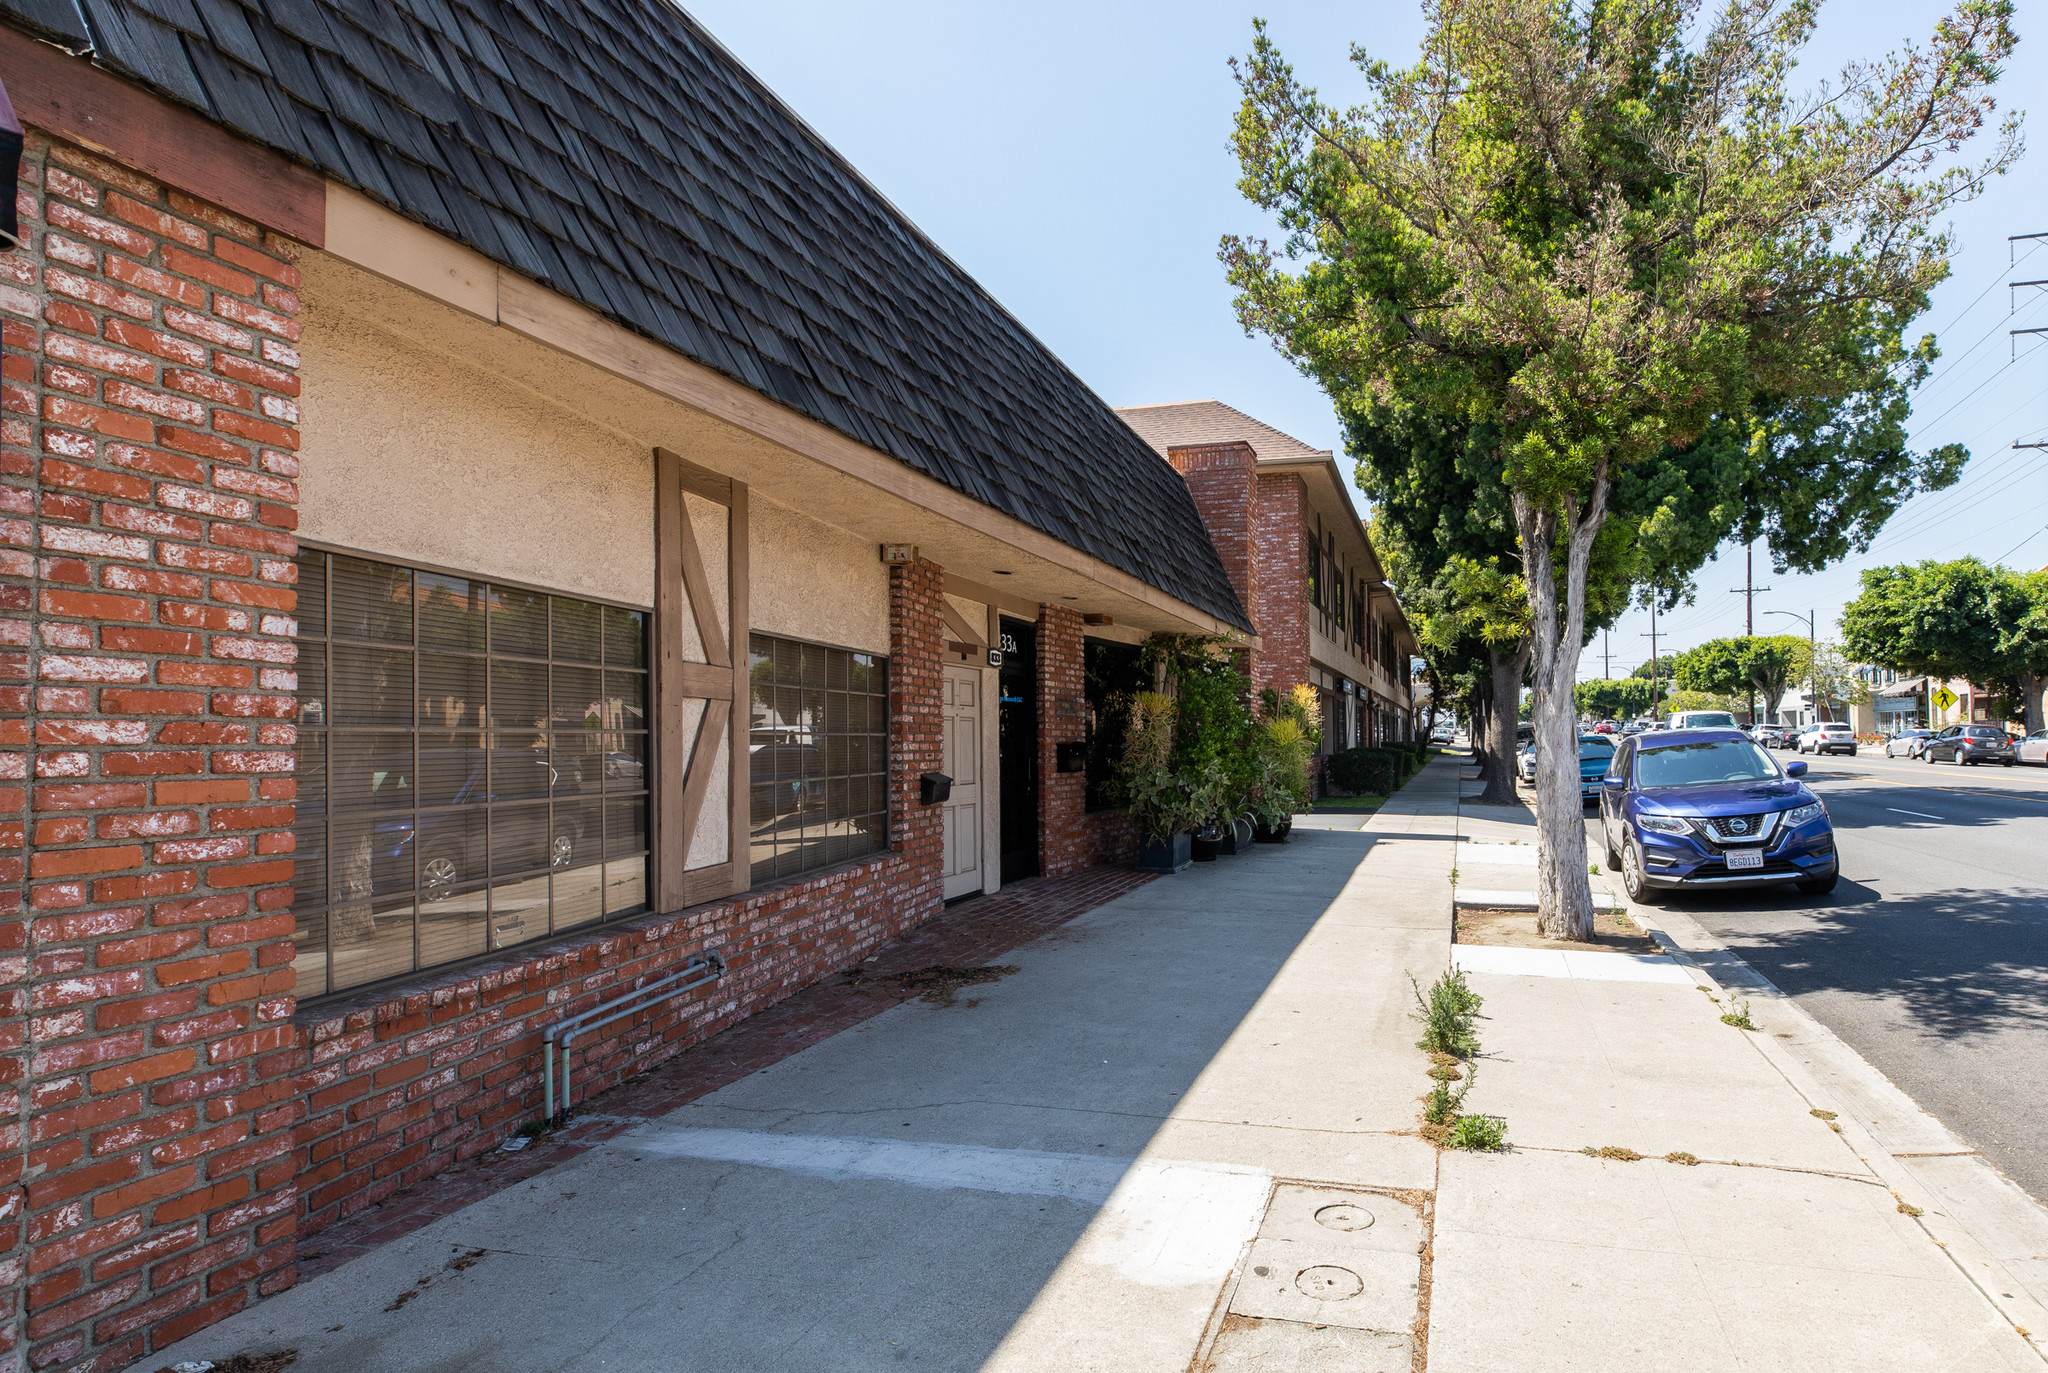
1196 422
612 150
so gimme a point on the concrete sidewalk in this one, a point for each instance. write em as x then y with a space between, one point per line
1182 1135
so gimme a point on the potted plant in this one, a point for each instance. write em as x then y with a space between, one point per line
1163 808
1285 741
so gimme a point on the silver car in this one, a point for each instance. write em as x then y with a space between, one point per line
2034 748
1907 743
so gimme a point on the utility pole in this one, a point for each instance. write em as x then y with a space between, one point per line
1606 659
1749 591
1655 666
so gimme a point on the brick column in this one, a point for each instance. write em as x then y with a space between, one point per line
917 720
147 446
1065 842
1280 604
1221 478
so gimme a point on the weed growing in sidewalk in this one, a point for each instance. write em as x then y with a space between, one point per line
1618 1153
1447 1015
1480 1134
1444 1067
1828 1116
1680 1156
1907 1208
1739 1017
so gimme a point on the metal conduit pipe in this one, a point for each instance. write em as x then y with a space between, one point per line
560 1036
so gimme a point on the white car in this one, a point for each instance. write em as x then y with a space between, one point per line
1829 736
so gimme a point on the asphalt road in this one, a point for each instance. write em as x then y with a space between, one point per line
1930 957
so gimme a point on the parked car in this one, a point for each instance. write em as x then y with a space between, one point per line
1698 809
1970 744
1606 727
1907 743
1770 736
1829 736
1701 719
1596 751
1635 727
2033 748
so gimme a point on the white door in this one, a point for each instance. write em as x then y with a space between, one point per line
963 765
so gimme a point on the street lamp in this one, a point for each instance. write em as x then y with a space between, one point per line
1812 657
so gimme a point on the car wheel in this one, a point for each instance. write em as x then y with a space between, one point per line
1632 880
1820 886
1613 858
1958 759
562 848
1927 758
439 876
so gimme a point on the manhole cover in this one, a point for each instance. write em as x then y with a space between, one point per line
1327 1282
1344 1216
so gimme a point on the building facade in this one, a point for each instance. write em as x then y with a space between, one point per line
495 509
1281 516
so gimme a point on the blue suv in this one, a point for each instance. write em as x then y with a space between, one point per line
1701 808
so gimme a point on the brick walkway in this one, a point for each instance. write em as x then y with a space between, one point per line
971 933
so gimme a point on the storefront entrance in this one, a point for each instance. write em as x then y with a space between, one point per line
1019 749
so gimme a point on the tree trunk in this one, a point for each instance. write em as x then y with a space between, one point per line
2031 684
1564 896
1497 768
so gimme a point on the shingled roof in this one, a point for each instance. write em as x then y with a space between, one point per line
614 151
1189 424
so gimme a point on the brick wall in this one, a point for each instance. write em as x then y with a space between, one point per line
146 445
1066 841
1280 601
397 1087
1221 479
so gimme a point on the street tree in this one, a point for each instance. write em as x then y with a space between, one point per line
1963 618
1617 698
1606 233
1767 664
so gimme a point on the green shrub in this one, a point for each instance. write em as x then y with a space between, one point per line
1364 771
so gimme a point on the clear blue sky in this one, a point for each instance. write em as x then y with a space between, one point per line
1074 158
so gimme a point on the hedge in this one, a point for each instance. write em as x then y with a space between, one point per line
1369 771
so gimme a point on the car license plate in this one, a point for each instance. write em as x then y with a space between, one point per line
1746 858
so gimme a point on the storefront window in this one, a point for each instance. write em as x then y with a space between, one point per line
1111 674
471 768
818 746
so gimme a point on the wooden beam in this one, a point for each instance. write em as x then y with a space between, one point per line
79 103
711 737
670 837
739 614
957 625
703 680
697 587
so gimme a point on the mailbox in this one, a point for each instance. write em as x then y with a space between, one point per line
934 788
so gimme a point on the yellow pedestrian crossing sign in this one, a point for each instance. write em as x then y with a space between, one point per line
1943 698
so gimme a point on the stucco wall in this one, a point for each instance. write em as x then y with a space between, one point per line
813 581
413 453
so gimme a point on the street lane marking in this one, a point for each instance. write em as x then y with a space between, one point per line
1921 813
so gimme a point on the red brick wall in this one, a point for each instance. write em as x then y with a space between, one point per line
1220 478
1280 604
147 451
400 1086
1066 842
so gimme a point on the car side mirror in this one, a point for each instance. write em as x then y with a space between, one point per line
1795 769
1614 783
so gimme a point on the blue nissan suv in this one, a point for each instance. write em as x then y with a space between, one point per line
1700 808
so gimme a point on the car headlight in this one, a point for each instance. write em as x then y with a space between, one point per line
1663 824
1799 815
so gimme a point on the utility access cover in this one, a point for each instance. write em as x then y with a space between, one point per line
1326 1257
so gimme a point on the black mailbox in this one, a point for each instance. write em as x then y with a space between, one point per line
1073 756
934 788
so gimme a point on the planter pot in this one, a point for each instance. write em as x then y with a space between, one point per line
1169 855
1237 837
1208 842
1262 835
